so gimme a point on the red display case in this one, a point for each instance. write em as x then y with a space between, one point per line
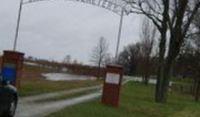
112 85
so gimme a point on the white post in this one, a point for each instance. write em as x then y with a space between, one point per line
17 27
119 34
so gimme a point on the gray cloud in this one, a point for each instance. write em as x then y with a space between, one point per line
52 30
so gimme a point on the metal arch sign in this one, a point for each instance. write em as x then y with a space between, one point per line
116 6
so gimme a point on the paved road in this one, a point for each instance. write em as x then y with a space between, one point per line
43 109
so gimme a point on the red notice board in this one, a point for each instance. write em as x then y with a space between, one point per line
112 85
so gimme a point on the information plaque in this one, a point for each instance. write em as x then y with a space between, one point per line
112 78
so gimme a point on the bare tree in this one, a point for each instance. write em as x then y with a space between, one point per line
100 53
75 62
130 58
195 38
108 59
148 35
175 17
67 59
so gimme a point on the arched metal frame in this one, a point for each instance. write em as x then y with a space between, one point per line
116 6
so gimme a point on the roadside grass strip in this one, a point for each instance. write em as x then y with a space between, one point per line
137 100
57 95
37 86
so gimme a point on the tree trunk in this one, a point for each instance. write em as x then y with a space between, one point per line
147 71
197 90
165 82
99 69
162 50
158 85
146 80
194 86
160 69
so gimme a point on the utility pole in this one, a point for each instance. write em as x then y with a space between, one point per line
119 34
17 27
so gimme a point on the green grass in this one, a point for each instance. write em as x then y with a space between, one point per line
39 86
137 100
33 83
181 80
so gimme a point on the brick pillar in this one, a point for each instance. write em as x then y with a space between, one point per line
12 65
112 85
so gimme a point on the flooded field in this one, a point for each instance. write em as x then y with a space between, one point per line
66 77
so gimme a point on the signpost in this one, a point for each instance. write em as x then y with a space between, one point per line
17 27
112 85
12 65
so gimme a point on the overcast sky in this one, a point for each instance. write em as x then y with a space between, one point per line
52 30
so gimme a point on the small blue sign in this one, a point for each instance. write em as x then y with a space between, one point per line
9 74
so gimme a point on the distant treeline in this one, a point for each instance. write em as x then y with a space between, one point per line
84 70
73 68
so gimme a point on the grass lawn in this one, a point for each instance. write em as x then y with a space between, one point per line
137 100
32 83
38 86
